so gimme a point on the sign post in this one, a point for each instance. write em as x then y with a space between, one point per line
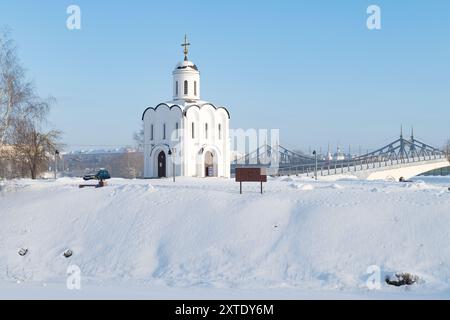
251 175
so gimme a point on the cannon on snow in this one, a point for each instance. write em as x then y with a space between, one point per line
101 176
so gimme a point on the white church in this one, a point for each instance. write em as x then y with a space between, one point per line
186 136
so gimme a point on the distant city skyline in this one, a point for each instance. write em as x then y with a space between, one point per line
309 68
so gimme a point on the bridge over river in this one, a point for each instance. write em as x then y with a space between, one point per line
400 159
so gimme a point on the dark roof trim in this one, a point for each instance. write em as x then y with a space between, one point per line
161 105
184 113
194 67
207 104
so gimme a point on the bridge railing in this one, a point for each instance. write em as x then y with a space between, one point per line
326 168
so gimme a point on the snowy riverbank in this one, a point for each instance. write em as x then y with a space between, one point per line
199 238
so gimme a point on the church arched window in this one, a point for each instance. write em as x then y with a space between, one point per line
176 88
206 131
151 133
164 131
220 131
185 87
177 128
195 88
193 130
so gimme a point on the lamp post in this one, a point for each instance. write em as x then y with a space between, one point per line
56 162
172 153
315 168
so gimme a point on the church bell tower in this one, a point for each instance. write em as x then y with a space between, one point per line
186 78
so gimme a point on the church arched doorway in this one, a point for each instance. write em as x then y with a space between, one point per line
162 165
210 165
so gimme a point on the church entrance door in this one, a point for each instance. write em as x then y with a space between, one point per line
162 165
210 170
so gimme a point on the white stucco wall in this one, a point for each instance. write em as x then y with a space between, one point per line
158 117
193 79
191 151
202 142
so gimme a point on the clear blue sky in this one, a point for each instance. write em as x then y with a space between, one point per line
310 68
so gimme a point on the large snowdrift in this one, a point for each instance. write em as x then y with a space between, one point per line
201 234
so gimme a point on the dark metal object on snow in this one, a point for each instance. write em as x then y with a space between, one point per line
402 279
68 253
101 176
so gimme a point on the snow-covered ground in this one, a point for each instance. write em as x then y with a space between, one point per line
199 238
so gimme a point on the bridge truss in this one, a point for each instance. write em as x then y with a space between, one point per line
266 155
403 149
282 161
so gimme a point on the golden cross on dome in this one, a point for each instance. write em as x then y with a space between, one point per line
186 45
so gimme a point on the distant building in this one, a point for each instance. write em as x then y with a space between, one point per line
121 163
10 167
339 155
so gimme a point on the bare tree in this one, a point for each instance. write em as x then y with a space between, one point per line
16 94
129 165
32 147
138 138
22 116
